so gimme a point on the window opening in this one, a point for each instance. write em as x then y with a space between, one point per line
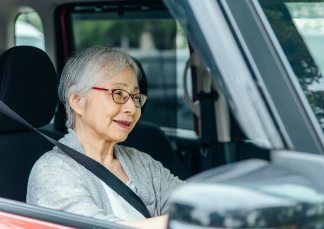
152 36
29 30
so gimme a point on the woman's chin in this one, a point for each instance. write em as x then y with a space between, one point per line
120 139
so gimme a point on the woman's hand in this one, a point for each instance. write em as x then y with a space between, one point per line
159 222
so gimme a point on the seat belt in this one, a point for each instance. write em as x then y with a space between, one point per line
93 166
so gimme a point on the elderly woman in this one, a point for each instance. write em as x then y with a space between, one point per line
99 88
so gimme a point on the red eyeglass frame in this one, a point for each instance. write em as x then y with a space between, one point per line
113 90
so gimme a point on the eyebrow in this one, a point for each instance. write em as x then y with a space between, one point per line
125 85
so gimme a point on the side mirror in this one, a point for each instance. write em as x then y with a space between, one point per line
248 194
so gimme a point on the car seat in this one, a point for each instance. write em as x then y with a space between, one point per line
149 138
28 85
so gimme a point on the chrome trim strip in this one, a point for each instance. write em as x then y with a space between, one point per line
182 133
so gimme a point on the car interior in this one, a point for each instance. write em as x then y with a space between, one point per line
169 130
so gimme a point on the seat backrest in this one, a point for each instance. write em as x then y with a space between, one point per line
28 85
149 138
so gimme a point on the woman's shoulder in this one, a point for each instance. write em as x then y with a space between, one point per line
54 159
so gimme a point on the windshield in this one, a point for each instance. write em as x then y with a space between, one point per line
299 27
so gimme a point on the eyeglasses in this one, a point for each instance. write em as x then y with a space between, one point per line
121 96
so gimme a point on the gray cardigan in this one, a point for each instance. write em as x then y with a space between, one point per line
58 182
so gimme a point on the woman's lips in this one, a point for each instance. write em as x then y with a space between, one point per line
123 124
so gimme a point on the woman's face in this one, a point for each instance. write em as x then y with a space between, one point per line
107 120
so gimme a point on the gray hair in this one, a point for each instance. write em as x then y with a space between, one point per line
80 74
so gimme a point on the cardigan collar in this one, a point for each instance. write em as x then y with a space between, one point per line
71 140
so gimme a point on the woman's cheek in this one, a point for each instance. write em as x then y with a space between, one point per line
138 113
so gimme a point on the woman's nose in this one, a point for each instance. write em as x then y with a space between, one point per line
129 106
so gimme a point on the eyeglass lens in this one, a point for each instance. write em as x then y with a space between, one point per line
121 96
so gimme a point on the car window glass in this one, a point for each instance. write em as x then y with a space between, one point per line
299 27
29 30
154 38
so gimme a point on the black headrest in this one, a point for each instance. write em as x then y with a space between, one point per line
28 85
142 83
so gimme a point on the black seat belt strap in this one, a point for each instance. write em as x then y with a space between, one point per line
93 166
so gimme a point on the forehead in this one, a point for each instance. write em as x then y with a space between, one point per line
124 77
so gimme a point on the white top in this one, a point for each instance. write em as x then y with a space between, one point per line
121 208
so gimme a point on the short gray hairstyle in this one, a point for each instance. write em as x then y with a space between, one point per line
80 74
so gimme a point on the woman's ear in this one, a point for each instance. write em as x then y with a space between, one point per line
76 103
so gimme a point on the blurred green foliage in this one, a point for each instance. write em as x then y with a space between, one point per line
110 33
